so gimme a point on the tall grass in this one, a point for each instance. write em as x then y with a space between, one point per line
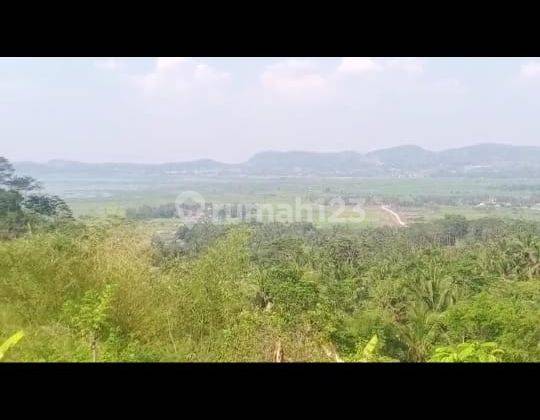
94 293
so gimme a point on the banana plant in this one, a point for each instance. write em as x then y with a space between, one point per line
10 342
369 353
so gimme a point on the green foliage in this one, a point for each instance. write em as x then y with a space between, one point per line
370 352
19 209
468 352
108 292
117 290
292 290
23 184
52 206
90 317
6 171
507 314
10 342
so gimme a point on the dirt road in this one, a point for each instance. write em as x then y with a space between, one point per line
395 215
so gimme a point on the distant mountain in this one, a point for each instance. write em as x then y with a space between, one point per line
490 154
487 160
404 157
105 169
351 163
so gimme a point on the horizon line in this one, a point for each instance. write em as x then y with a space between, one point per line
268 151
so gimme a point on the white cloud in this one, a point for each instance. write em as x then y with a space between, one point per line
294 79
181 75
530 70
304 79
355 65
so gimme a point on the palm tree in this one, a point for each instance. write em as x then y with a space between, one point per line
418 332
432 288
522 256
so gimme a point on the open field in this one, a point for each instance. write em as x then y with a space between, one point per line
429 213
95 196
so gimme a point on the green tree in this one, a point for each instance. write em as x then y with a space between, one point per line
454 227
19 209
23 184
418 332
48 205
6 171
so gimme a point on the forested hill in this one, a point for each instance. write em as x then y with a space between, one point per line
482 160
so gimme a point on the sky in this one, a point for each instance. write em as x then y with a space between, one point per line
176 109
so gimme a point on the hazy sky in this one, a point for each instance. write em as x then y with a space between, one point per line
175 109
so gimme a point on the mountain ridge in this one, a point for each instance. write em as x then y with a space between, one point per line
482 159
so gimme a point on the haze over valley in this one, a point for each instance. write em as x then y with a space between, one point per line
266 210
